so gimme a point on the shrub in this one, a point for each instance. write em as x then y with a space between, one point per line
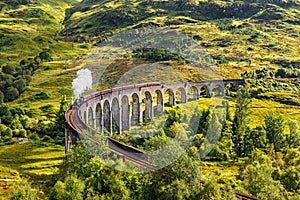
47 138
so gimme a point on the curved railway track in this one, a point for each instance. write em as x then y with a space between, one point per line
128 153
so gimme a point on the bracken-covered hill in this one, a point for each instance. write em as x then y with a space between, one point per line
237 34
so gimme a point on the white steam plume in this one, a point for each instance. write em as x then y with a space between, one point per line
83 82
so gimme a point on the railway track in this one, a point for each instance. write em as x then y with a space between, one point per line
128 153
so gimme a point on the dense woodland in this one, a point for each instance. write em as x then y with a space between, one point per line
44 42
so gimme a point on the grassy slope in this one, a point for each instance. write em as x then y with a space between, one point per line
276 39
27 36
25 30
23 160
253 39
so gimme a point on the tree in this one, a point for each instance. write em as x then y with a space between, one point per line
204 121
16 123
224 147
104 182
257 178
23 191
9 69
255 139
60 115
1 97
227 107
45 56
290 178
20 85
177 131
241 119
294 136
71 189
179 180
211 190
12 93
174 115
5 114
274 127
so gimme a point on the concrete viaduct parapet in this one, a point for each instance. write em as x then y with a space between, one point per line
118 109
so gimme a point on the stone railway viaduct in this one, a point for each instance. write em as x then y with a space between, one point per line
129 105
118 109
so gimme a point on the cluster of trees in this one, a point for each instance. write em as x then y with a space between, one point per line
96 180
157 55
17 122
286 72
14 79
265 173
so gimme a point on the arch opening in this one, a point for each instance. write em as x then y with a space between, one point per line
116 116
84 117
204 92
99 117
107 116
90 117
171 97
147 105
159 107
135 115
181 96
217 91
193 94
125 113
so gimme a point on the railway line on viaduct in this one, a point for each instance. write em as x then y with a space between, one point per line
128 106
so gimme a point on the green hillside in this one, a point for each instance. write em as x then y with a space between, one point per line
239 35
43 43
28 27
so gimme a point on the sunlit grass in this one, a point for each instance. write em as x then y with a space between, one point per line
28 160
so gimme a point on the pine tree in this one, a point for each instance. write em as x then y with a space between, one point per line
241 119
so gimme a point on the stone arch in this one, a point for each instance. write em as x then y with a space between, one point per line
115 109
90 116
125 113
193 93
159 108
79 114
107 116
99 117
204 91
147 114
84 117
229 88
181 95
136 108
171 97
217 90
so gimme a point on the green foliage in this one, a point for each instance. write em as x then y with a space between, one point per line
255 139
14 79
12 93
23 191
257 178
71 189
179 180
211 190
40 96
293 139
173 115
177 131
157 55
205 119
290 178
45 56
241 119
274 127
224 147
